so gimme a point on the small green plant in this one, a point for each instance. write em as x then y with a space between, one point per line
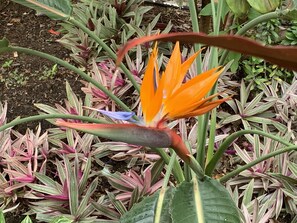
261 72
14 78
7 64
268 32
48 73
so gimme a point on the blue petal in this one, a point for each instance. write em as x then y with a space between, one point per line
125 116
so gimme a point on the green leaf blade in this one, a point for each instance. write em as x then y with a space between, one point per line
216 203
144 211
57 10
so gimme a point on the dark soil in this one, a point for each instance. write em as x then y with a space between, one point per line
20 74
23 82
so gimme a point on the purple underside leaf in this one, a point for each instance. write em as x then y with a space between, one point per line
59 197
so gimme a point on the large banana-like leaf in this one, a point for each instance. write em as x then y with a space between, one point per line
204 201
239 7
55 9
198 201
144 211
264 6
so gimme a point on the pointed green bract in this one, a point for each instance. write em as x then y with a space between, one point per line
57 10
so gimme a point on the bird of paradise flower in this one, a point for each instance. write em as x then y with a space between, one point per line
163 97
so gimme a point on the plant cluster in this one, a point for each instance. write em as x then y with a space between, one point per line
115 22
74 172
291 35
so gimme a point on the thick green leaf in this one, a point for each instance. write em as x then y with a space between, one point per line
239 7
58 10
27 219
203 202
4 43
2 218
264 6
144 211
291 14
61 219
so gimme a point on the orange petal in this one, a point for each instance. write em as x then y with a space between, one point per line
183 70
150 98
205 108
170 78
190 93
187 64
194 106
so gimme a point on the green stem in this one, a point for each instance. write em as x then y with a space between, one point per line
256 161
214 63
228 141
212 135
169 169
161 197
195 166
248 26
202 120
195 26
70 67
107 49
187 169
177 170
201 138
50 116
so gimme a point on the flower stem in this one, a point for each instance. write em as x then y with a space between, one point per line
161 197
177 171
195 26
